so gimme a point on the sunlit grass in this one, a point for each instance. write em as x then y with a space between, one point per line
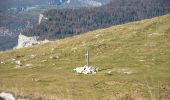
133 58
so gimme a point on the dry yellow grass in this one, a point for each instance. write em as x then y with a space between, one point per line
133 58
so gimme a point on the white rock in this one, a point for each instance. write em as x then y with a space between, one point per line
44 61
52 49
56 57
7 96
127 72
17 67
51 57
2 62
141 60
33 56
35 79
41 17
28 65
25 41
18 62
86 70
13 59
109 72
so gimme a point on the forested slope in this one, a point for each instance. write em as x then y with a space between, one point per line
68 22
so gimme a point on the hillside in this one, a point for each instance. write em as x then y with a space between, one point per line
68 22
133 59
12 24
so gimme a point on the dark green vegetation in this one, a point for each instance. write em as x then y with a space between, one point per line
18 15
67 22
133 58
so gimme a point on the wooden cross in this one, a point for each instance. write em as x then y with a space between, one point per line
87 58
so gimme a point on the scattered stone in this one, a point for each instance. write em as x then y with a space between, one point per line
51 57
18 62
57 57
86 70
127 72
155 34
153 59
28 65
35 79
97 35
24 59
6 96
44 61
33 56
2 62
13 59
141 60
109 73
17 67
52 49
54 57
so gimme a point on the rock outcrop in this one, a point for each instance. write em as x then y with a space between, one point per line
25 41
41 17
6 96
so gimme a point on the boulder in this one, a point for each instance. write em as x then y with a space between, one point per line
6 96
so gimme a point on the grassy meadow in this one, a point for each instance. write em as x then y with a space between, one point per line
133 58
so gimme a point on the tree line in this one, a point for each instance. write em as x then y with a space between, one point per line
67 22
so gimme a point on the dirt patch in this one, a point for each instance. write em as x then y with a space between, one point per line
165 92
133 95
165 87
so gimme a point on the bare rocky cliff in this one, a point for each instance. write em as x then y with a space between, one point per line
25 41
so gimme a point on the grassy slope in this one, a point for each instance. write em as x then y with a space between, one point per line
142 48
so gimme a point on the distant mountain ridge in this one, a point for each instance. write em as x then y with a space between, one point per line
7 4
12 3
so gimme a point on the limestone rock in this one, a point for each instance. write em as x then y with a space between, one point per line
86 70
